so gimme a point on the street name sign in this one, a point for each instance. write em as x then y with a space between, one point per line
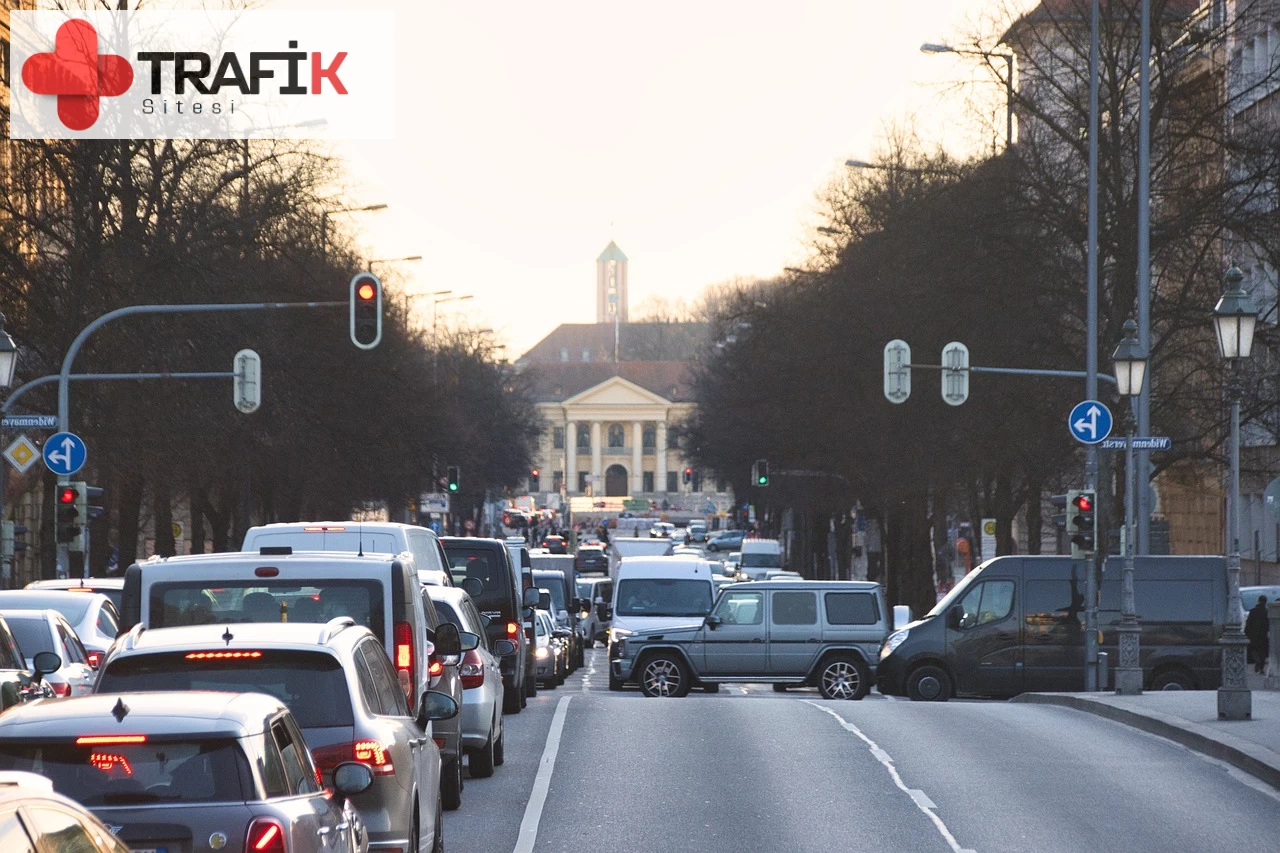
1089 422
64 453
433 502
1154 442
22 454
29 422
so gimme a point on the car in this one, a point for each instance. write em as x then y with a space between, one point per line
590 558
555 544
341 691
358 537
726 540
112 588
662 530
166 769
758 556
565 609
657 592
92 615
443 666
33 817
502 597
781 575
686 550
47 631
597 595
481 719
549 653
824 634
18 683
696 531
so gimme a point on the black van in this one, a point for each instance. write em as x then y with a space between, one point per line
1016 624
501 598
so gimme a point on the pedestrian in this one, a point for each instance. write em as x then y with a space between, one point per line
1258 629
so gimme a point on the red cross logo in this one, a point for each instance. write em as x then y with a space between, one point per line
77 74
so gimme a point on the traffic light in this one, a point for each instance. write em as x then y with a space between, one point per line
453 477
68 513
95 505
366 310
688 475
10 543
1082 523
1060 518
762 472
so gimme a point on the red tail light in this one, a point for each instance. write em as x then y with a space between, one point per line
435 669
472 670
266 835
404 657
513 630
95 657
369 752
439 742
63 689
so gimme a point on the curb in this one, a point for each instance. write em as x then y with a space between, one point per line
1244 755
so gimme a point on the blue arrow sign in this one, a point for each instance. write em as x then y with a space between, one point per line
64 453
1089 422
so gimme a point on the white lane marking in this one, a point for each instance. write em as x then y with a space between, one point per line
917 796
586 678
542 782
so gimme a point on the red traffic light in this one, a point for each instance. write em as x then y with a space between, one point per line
1084 503
67 495
688 471
366 291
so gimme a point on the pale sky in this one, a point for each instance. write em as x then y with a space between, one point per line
694 133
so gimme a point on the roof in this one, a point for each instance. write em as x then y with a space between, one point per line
276 635
612 253
794 583
67 583
1050 11
553 383
247 558
192 712
636 342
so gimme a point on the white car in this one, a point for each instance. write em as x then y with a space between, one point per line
92 615
112 588
46 631
662 530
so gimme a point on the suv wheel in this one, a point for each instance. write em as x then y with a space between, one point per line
843 678
451 784
664 675
929 683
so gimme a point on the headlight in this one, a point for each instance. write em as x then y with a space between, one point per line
540 652
895 639
617 635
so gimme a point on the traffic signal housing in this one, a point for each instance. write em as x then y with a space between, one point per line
761 475
1082 523
366 310
453 478
68 513
688 475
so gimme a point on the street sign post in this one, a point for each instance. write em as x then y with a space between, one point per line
433 502
1089 422
22 454
64 453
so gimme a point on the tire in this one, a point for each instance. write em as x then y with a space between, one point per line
530 686
1173 679
929 683
511 700
712 547
480 761
711 688
415 834
500 748
451 784
779 688
843 677
615 684
664 675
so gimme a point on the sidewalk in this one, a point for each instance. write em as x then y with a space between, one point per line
1190 718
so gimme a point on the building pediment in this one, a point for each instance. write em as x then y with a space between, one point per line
616 391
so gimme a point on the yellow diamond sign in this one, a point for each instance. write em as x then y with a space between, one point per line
22 454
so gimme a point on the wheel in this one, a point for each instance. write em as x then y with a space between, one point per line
511 700
451 784
415 834
929 683
500 746
711 688
664 675
615 684
843 678
779 688
480 761
1172 679
712 546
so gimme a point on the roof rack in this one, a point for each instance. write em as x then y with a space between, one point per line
131 638
333 626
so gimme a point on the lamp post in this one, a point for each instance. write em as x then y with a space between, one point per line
1008 80
8 357
404 260
1234 319
1130 362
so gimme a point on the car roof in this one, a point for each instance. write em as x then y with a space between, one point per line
799 583
273 635
10 596
45 615
18 787
471 541
450 594
348 526
66 583
175 713
247 559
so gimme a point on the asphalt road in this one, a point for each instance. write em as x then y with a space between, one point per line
748 770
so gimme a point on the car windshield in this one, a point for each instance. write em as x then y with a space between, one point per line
72 606
32 633
175 604
168 771
761 560
312 684
553 584
663 597
954 595
490 568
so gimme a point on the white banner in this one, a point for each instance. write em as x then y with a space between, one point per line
202 75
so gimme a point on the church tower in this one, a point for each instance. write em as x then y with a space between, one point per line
611 285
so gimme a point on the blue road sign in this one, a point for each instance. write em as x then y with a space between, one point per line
64 453
1089 422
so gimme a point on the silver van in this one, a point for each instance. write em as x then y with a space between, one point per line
358 537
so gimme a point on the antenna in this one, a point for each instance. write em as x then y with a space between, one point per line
360 537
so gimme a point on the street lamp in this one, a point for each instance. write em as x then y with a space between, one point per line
404 260
8 357
1130 363
1234 320
440 296
1008 80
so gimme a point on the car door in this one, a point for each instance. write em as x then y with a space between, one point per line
1053 630
411 746
75 661
314 820
984 640
794 633
736 645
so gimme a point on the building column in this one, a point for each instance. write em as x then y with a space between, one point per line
660 452
637 461
596 474
570 457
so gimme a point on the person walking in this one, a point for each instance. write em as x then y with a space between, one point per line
1258 629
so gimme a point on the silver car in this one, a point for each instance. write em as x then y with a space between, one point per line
93 615
483 734
189 772
337 680
112 588
46 631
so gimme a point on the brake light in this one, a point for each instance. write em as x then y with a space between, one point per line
266 835
95 657
436 668
108 761
223 655
63 689
266 572
369 752
323 529
79 589
439 742
404 656
472 670
97 740
513 629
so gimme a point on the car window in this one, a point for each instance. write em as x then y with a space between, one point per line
795 608
390 696
444 612
492 567
62 830
273 781
476 621
74 651
987 602
33 635
107 623
663 597
554 584
425 553
851 608
741 608
178 603
368 688
300 777
10 654
13 838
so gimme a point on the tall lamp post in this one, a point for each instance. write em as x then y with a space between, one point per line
1130 363
1234 319
8 357
1008 80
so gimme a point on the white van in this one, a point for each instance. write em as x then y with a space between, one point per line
658 592
356 537
758 557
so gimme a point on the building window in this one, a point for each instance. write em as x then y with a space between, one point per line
557 438
582 481
673 440
584 436
697 481
649 438
586 355
557 481
564 353
617 435
673 481
646 482
720 484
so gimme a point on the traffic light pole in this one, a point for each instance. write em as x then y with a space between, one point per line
1129 670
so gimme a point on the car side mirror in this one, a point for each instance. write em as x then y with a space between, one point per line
529 598
448 640
472 587
502 648
544 601
351 778
45 662
953 618
469 641
435 706
712 621
901 616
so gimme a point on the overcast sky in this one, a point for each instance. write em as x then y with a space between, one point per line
695 133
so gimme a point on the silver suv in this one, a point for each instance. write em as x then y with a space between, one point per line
825 634
339 684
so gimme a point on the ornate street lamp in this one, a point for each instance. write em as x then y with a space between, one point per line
1130 363
8 357
1234 320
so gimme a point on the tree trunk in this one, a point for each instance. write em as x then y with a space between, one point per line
1034 518
162 513
1004 516
49 526
128 509
198 501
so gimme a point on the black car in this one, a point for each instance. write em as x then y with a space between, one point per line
555 544
590 558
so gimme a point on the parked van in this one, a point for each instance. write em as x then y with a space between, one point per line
378 591
658 592
1016 624
356 537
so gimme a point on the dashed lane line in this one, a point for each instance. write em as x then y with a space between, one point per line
542 782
